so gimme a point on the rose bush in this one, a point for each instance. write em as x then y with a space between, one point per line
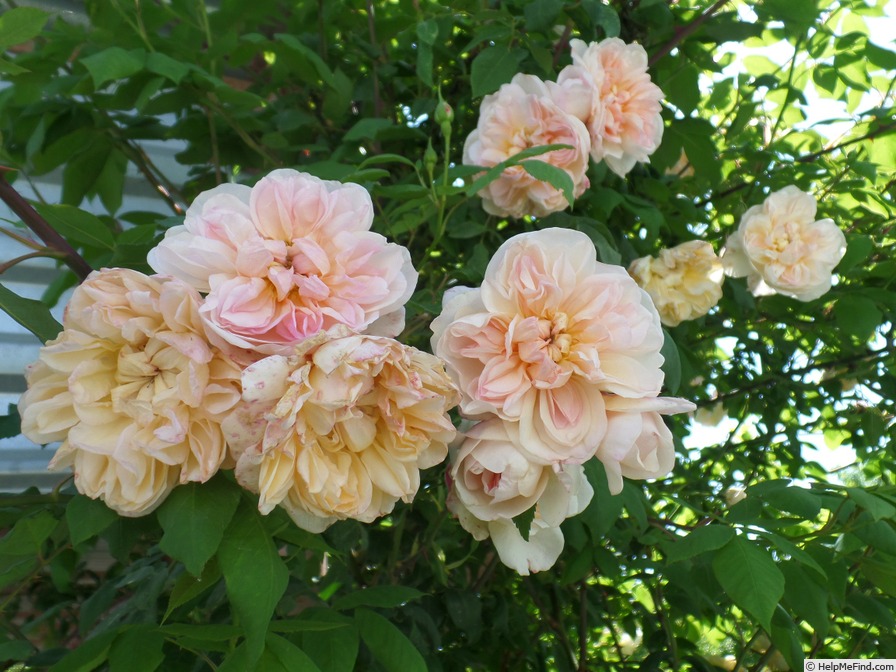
649 541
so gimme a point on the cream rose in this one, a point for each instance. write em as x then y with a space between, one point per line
519 116
342 428
684 281
132 389
780 247
550 332
638 445
289 257
566 494
608 88
492 476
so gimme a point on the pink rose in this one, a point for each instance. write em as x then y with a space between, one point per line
522 115
780 247
549 333
285 259
608 88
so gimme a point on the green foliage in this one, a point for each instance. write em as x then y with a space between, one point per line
802 566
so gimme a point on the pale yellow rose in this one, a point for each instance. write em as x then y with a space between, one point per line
780 247
132 389
342 428
684 281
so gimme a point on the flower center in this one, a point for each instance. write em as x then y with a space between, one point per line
553 332
141 376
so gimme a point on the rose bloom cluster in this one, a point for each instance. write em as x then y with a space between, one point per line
604 106
557 357
266 345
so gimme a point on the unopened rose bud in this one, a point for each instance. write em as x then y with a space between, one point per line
444 113
444 116
429 159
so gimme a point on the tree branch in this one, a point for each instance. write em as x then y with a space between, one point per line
880 130
684 31
41 227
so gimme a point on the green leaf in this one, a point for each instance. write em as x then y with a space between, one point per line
162 64
523 522
858 247
492 173
209 633
20 25
750 577
110 183
87 517
113 63
808 598
878 508
137 650
304 625
10 68
388 644
31 314
542 14
11 423
367 129
188 586
88 656
493 67
700 540
78 226
16 649
857 315
289 655
194 518
378 596
334 650
28 535
427 33
671 363
465 610
254 573
556 177
799 501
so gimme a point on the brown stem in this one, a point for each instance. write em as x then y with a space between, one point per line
880 130
31 255
765 381
371 27
583 627
561 45
39 225
684 31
